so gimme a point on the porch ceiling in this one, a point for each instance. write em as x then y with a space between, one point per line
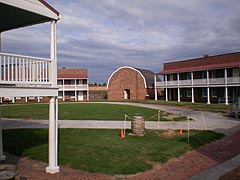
14 15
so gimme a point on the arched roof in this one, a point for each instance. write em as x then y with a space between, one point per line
147 75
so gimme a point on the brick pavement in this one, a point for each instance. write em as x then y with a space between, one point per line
180 168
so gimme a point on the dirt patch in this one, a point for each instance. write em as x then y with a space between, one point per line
168 134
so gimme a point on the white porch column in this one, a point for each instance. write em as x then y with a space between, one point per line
178 89
226 95
155 87
179 96
208 90
0 42
2 157
193 101
166 90
75 91
63 90
87 91
166 93
52 135
53 53
226 88
53 108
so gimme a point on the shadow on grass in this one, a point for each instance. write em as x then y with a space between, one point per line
22 142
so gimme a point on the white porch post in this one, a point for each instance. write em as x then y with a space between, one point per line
52 144
179 100
75 87
193 101
2 157
178 89
208 90
63 90
53 108
166 94
155 87
166 90
0 42
226 88
87 91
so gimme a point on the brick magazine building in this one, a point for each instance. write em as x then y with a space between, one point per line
208 79
131 83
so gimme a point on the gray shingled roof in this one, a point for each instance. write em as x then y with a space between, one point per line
149 76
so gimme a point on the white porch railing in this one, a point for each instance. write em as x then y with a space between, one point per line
185 82
171 83
73 87
233 80
216 81
201 82
19 70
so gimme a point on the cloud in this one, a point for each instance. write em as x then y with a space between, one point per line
104 35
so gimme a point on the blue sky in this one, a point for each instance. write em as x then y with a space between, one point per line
103 35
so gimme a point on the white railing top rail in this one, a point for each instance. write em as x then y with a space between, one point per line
24 56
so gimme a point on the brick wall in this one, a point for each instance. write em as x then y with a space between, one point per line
126 78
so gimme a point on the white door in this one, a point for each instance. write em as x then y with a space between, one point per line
80 95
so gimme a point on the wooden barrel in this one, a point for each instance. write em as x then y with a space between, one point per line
138 125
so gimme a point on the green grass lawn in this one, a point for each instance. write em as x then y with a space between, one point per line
196 106
102 151
81 111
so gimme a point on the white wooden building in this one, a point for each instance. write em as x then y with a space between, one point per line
31 76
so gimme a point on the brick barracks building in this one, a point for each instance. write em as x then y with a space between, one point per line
131 83
208 79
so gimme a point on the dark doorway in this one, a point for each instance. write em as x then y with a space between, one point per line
126 94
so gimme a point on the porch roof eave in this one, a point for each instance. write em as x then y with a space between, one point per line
25 13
